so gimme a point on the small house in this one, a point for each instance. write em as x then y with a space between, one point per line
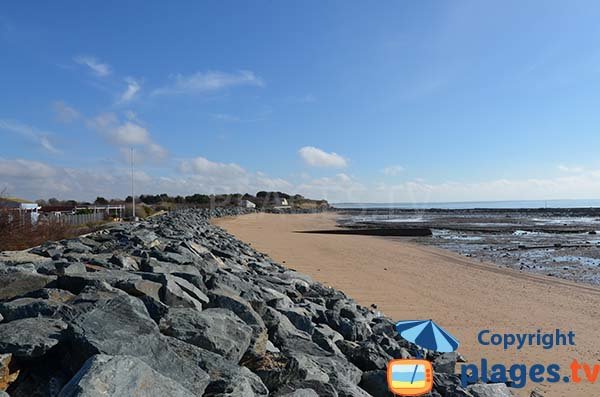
247 204
25 210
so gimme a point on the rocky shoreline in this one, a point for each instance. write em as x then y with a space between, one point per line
175 306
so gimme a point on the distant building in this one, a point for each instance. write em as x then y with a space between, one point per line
25 209
279 202
247 204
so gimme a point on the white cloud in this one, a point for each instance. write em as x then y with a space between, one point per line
133 87
393 170
216 177
203 166
20 168
338 188
571 169
64 112
318 158
34 179
39 137
203 82
127 134
98 68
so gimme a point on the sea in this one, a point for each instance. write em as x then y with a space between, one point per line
562 242
514 204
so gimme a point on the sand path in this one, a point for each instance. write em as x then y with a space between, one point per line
409 281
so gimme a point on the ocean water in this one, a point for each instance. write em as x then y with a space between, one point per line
595 203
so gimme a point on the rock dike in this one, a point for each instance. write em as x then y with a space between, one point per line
175 306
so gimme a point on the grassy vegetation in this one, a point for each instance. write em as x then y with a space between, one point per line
15 235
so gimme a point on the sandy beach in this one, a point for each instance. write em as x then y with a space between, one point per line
465 296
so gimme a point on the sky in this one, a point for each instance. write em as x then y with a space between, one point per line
387 101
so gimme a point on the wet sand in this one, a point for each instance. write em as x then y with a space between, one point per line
465 296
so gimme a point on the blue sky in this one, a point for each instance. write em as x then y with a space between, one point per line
350 101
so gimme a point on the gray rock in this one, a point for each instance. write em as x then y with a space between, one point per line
375 383
367 356
154 266
64 267
326 338
139 288
30 307
146 239
124 262
300 393
156 309
345 318
348 389
226 378
76 247
103 375
300 317
76 282
120 325
14 284
53 294
322 389
243 310
489 390
449 385
31 337
217 330
177 292
445 363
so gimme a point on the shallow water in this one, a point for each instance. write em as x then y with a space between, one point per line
502 239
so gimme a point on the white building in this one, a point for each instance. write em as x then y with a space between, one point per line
247 204
24 208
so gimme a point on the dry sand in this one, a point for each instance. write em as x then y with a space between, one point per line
410 281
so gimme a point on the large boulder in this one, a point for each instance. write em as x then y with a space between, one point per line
367 355
177 292
31 337
31 307
104 375
228 300
216 330
375 383
226 378
121 325
76 282
17 283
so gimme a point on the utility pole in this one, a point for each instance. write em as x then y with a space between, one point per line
132 185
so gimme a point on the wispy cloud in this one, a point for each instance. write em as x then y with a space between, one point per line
20 168
64 112
203 166
211 81
32 134
133 87
97 67
316 157
127 134
393 170
570 168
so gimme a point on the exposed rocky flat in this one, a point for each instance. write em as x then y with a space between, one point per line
174 306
